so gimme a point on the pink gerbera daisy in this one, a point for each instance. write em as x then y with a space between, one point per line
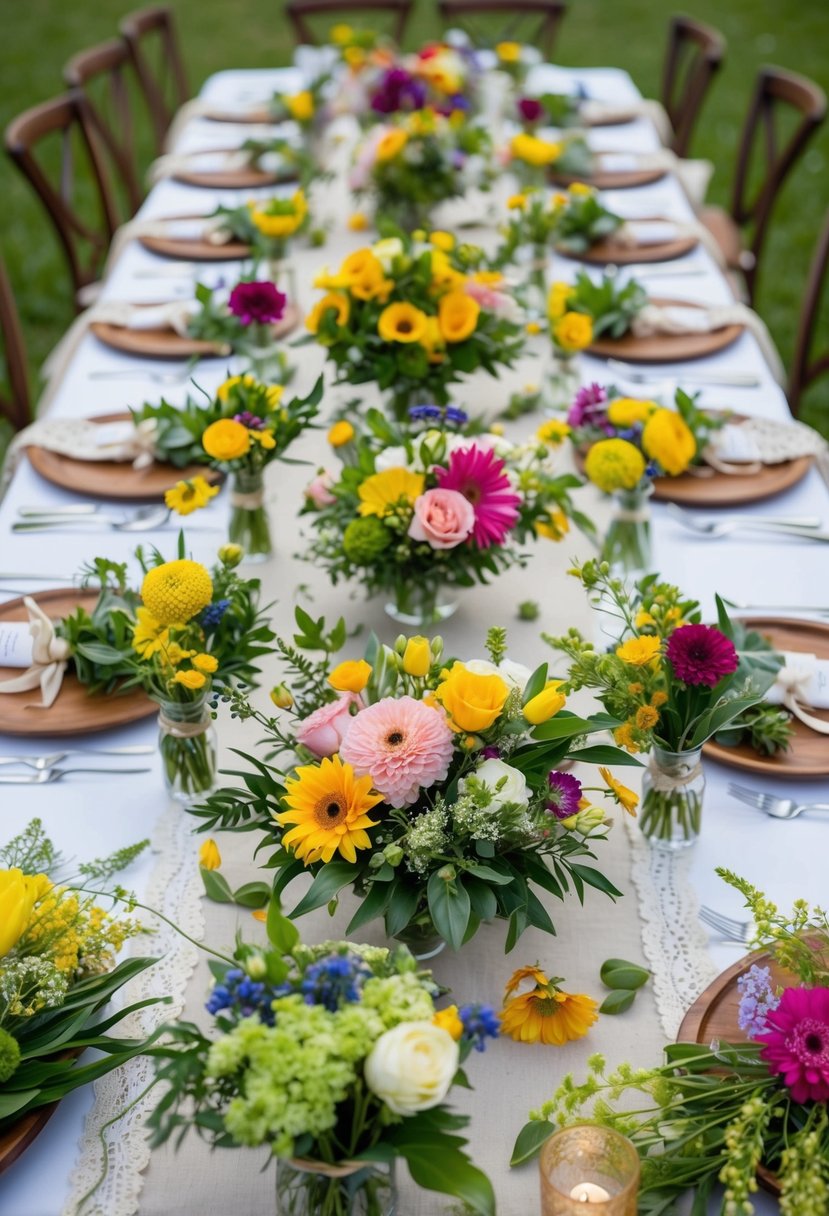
404 745
479 475
796 1042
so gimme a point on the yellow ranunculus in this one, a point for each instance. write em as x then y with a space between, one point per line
230 554
557 300
669 441
226 439
472 701
300 105
402 323
209 856
335 301
380 493
350 676
545 704
18 894
614 464
340 433
208 663
417 657
175 654
458 316
193 680
391 144
638 652
449 1020
626 411
533 150
573 332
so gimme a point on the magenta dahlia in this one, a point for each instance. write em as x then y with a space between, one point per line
796 1042
564 796
257 303
479 475
700 654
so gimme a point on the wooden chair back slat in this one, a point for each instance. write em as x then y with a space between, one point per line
162 77
542 20
14 403
693 57
304 14
806 369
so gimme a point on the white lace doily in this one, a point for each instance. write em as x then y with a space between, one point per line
175 890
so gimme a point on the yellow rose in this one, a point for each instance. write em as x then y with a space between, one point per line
209 856
391 144
457 316
208 663
472 701
334 301
402 323
545 704
300 106
226 440
417 657
573 332
350 676
193 680
340 433
669 441
638 652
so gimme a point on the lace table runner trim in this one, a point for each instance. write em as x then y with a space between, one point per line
674 941
175 890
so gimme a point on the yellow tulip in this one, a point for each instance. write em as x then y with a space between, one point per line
417 657
545 704
17 898
209 856
351 676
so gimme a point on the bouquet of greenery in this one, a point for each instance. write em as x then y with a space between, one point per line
334 1056
532 158
430 786
415 317
581 220
673 682
412 514
724 1112
423 160
57 973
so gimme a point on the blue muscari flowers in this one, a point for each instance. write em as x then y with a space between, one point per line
480 1022
213 613
437 413
244 997
334 981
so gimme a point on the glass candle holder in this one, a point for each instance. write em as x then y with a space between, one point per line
587 1169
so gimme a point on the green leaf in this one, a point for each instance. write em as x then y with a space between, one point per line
617 1001
535 684
216 887
328 881
594 878
604 753
529 1140
563 726
449 907
450 1172
371 907
489 875
402 907
282 932
252 894
617 973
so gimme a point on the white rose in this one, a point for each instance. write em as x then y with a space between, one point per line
514 789
391 458
411 1067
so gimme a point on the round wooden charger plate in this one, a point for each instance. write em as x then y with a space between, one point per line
713 1015
236 179
808 755
610 180
666 348
621 255
113 479
194 250
167 344
74 711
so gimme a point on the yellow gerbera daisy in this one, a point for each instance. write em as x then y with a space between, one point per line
175 592
328 806
380 493
334 301
638 652
402 323
149 636
458 316
553 432
188 496
621 794
545 1014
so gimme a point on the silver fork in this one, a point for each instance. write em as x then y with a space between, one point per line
806 527
778 808
47 776
53 758
725 379
732 930
139 374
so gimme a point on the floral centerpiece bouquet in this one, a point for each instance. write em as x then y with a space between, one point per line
415 317
437 77
673 682
722 1112
532 158
582 220
425 159
249 320
307 108
268 227
335 1057
548 110
625 443
242 429
412 515
57 973
188 632
431 787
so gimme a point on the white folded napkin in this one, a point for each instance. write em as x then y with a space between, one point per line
647 232
173 163
85 439
752 442
803 680
682 319
43 654
175 315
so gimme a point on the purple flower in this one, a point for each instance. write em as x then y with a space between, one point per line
530 109
588 406
252 421
700 654
421 413
398 90
257 303
757 1000
480 1022
457 416
491 753
565 794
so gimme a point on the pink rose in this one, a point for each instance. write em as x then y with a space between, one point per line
319 490
443 518
323 731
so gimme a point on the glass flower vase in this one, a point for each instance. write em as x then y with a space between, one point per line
627 543
249 526
419 604
422 938
189 748
532 261
562 379
312 1188
673 785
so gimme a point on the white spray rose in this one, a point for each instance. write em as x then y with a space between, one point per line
514 790
411 1067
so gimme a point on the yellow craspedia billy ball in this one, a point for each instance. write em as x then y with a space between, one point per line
614 464
176 591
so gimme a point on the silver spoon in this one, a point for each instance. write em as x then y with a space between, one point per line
142 520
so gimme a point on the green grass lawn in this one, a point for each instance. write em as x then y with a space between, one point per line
628 33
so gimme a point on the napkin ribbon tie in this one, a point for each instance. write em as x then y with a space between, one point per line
50 656
793 684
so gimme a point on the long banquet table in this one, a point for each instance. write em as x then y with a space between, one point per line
655 923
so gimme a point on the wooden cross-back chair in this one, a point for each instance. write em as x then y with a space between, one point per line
312 19
105 73
534 22
150 34
58 148
14 385
806 367
693 57
764 161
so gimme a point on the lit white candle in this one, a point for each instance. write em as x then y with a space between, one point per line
589 1192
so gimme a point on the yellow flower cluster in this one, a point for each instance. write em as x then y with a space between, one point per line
282 217
614 464
188 496
175 592
535 151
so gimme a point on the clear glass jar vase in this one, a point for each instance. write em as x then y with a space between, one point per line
532 291
562 380
311 1188
189 748
422 938
627 543
249 525
673 785
419 604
